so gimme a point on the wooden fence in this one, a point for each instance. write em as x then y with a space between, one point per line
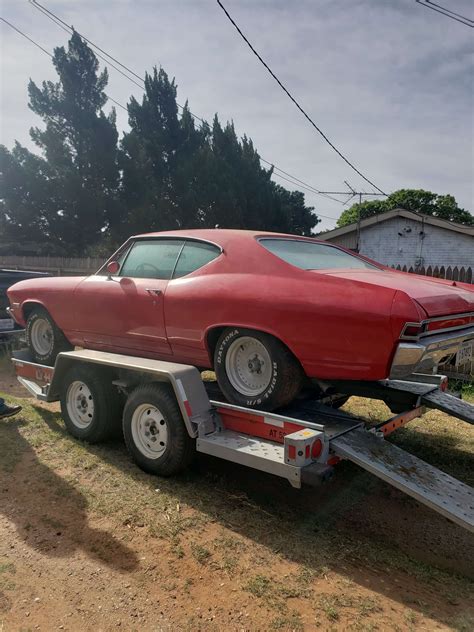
462 274
55 265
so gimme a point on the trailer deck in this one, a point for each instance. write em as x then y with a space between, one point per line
302 443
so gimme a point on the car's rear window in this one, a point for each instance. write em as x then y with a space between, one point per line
309 255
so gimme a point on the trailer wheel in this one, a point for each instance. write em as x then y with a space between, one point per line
90 405
154 430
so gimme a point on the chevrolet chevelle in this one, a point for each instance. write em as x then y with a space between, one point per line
268 312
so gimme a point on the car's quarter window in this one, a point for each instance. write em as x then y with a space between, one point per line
309 255
194 255
152 259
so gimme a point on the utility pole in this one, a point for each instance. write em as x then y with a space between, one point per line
352 193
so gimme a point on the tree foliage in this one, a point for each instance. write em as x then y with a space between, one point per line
87 189
417 200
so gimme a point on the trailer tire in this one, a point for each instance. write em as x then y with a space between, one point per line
154 430
44 338
90 405
256 370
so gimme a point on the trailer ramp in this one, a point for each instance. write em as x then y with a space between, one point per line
433 397
449 404
439 491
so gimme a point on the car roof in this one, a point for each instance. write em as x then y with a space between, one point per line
221 236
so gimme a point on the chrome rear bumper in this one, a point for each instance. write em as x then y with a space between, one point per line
427 353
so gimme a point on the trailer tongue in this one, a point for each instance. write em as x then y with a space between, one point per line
302 444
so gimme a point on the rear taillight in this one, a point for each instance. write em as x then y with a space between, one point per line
448 323
412 330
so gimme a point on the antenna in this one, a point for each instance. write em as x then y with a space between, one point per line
352 193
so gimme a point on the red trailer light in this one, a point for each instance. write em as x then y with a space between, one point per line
316 449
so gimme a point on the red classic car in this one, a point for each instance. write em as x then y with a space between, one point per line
267 311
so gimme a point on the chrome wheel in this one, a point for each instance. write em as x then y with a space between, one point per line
80 404
149 431
248 366
42 336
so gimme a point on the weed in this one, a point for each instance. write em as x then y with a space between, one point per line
200 553
329 605
259 586
7 567
291 622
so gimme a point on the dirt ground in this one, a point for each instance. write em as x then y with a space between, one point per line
89 542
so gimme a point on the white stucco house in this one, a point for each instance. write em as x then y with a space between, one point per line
412 242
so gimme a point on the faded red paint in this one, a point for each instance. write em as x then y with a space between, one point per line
340 324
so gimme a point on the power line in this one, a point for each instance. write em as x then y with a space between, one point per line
447 12
26 36
69 29
293 98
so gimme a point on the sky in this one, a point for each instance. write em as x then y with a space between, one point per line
390 82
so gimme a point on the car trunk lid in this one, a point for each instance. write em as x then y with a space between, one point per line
436 296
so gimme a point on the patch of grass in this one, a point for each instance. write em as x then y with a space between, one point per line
187 585
177 550
291 622
368 605
463 622
7 567
229 543
200 553
258 586
410 617
329 604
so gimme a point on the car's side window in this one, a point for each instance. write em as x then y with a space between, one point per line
194 255
152 259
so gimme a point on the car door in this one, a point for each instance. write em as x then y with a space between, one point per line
126 311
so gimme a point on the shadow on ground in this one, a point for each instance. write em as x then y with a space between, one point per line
49 513
356 525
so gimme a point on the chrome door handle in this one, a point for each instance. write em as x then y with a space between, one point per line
153 291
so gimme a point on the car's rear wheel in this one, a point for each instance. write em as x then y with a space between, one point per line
255 369
45 339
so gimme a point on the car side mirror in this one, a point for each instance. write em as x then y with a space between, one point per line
113 267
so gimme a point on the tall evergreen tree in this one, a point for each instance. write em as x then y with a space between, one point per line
79 145
176 175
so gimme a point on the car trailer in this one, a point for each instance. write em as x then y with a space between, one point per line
167 413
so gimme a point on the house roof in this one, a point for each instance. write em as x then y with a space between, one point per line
398 212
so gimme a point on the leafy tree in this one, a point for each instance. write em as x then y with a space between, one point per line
79 169
176 175
417 200
25 204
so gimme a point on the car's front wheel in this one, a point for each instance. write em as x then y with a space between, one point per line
45 339
256 370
